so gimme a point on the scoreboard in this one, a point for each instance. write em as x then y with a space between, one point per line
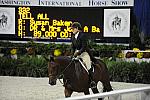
48 20
54 23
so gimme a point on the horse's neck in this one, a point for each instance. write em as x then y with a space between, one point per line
76 76
74 72
65 64
68 68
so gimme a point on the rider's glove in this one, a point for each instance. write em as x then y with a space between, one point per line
76 53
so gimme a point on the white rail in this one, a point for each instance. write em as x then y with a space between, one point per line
116 94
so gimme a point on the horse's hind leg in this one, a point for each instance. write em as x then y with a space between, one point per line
107 87
95 90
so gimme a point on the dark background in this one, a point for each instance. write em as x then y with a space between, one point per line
87 16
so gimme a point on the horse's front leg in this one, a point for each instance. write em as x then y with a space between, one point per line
86 92
95 90
68 92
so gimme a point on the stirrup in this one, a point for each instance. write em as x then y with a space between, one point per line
93 84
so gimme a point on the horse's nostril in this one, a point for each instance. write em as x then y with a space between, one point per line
52 82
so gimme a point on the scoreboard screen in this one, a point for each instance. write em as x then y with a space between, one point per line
54 23
44 23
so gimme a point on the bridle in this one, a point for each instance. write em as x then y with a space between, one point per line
61 73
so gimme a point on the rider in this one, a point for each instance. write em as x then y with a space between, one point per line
81 49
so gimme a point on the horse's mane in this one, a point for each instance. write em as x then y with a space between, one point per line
64 58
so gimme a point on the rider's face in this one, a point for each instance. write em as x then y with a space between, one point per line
75 30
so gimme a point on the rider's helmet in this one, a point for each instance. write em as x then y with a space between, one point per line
76 25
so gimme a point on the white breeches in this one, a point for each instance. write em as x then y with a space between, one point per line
86 59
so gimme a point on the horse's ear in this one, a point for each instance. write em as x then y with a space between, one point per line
51 58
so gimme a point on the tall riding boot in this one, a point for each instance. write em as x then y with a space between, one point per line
92 82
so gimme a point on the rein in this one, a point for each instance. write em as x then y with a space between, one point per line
57 77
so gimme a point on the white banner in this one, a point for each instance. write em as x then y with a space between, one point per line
116 22
69 3
7 20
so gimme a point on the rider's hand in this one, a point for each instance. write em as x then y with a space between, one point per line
76 53
75 58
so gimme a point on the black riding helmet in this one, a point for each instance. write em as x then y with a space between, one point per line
76 25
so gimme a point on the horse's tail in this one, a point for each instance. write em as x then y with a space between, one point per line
101 63
105 76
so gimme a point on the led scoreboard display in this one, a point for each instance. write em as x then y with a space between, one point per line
50 20
54 23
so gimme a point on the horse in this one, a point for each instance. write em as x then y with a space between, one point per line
116 23
3 21
75 77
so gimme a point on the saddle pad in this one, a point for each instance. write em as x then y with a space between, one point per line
83 66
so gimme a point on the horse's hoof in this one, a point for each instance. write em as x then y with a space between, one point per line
93 85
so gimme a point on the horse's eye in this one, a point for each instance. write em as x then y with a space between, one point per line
52 63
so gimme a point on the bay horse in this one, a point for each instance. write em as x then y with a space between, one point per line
75 77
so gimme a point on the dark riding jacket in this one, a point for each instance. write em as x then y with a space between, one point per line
81 44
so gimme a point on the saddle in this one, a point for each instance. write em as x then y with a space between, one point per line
80 61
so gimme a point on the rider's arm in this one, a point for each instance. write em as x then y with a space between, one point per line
84 44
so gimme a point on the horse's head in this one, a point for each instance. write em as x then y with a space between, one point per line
57 67
53 72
